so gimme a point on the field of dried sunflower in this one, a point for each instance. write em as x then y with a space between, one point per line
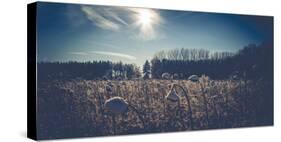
77 107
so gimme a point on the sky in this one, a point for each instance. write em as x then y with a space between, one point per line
73 32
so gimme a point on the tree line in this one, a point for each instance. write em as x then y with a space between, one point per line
187 54
251 62
87 70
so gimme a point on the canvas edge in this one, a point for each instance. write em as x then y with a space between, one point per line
31 71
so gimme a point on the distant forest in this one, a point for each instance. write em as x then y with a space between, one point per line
251 62
87 70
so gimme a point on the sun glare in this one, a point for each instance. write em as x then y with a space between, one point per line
145 17
147 21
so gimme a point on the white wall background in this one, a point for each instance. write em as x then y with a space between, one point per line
13 69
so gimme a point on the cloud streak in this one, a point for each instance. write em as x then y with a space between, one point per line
103 18
128 19
114 54
78 53
104 53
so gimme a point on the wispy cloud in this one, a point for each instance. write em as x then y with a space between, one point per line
141 23
78 53
126 56
103 18
115 16
105 53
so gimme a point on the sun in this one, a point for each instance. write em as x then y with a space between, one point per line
145 17
146 20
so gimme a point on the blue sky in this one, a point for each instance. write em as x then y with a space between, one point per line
71 32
